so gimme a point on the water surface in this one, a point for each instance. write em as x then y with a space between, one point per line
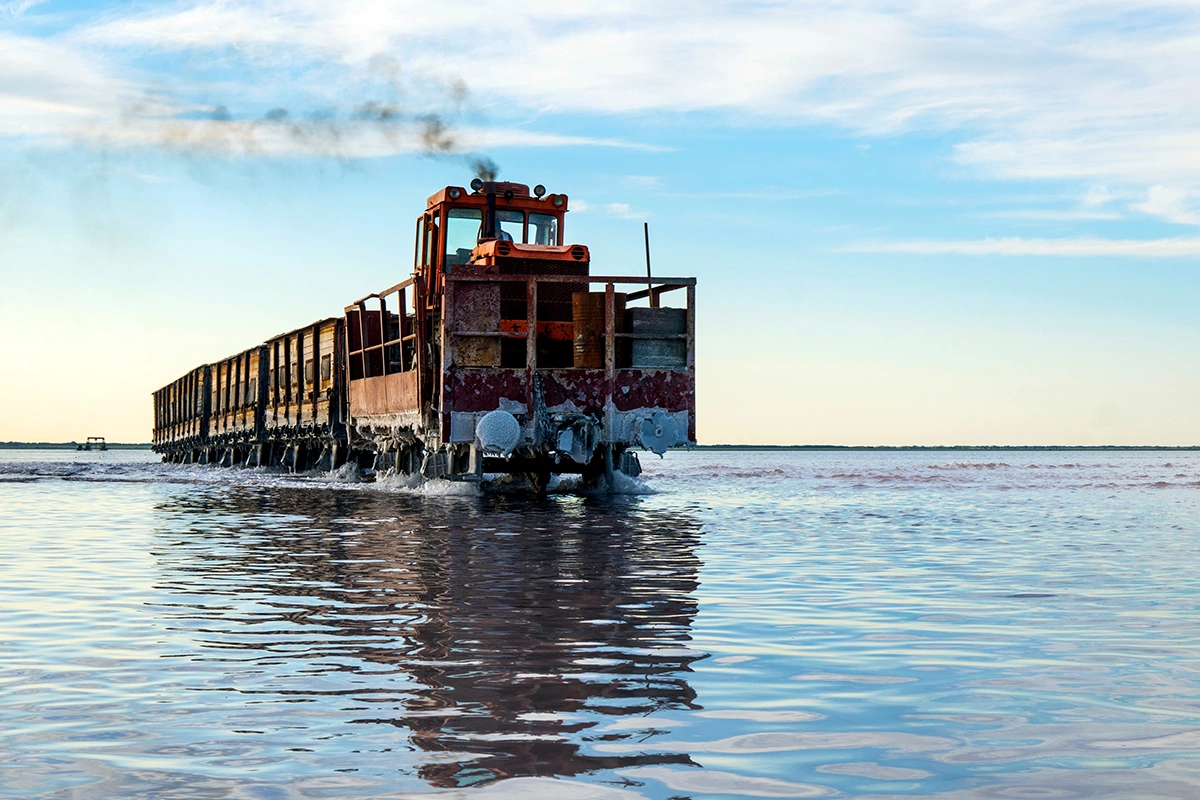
781 624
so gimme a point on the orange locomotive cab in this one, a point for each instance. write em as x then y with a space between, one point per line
508 355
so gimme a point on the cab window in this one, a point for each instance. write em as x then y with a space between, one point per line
543 229
510 225
462 233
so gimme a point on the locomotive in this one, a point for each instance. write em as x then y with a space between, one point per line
501 353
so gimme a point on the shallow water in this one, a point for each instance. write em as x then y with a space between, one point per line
779 624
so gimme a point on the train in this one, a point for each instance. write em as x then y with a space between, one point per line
502 353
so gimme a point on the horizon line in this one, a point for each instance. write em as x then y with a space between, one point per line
732 446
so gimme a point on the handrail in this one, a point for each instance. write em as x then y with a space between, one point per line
656 286
381 294
483 278
665 284
653 292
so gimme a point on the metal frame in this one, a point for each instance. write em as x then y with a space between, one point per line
655 288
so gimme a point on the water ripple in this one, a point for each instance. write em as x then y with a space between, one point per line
761 625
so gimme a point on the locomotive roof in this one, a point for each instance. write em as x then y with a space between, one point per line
520 197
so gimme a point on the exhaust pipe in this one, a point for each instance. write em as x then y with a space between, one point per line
489 216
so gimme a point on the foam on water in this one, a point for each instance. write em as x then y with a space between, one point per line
140 466
751 469
757 625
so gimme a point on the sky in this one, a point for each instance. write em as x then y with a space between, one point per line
931 223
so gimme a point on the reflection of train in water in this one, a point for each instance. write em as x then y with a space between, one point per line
520 649
495 356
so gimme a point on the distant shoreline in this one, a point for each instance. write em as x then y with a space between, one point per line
954 448
70 446
964 448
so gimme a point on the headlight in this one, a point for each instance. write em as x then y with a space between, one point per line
454 192
476 184
558 200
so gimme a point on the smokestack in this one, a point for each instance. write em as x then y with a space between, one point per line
489 216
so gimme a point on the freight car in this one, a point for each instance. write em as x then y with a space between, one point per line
502 353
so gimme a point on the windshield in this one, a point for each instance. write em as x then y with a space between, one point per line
510 226
543 229
462 233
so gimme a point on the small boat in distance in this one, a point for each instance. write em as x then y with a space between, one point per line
92 443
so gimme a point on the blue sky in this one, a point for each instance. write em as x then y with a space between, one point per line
945 223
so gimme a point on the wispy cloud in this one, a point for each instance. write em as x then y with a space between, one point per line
622 211
1172 205
1051 215
1017 246
617 210
53 93
15 8
1064 91
47 87
85 87
344 137
769 193
1097 196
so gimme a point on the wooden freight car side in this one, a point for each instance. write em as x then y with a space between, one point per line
305 399
282 402
181 415
303 373
236 415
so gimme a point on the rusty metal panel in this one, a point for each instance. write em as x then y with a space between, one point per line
368 397
477 351
483 389
385 396
402 392
670 390
583 388
474 390
476 310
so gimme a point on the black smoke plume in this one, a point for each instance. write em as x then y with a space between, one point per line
485 168
345 133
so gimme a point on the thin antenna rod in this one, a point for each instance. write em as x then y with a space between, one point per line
649 288
646 230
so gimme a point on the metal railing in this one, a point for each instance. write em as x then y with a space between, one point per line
656 287
373 348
